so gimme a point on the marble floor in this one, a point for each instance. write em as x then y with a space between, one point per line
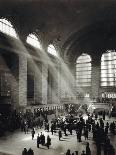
13 144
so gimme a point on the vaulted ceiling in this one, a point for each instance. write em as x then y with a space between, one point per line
74 25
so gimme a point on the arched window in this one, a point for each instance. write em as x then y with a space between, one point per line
108 68
52 50
6 27
33 40
83 71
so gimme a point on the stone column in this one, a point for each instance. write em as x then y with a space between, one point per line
72 81
22 80
15 81
9 79
55 85
38 83
44 83
49 89
59 82
95 76
63 82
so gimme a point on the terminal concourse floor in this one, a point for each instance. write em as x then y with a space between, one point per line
13 143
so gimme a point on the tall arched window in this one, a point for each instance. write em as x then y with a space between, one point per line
52 50
33 40
6 27
83 71
108 68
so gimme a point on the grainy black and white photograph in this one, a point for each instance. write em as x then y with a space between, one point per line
57 77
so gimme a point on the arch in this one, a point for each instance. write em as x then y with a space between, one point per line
92 37
7 28
52 50
83 70
108 68
33 40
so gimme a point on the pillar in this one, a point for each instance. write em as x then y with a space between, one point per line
44 83
22 80
38 83
59 83
95 76
49 85
55 85
72 81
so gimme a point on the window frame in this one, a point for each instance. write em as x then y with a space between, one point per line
7 28
108 69
32 39
83 70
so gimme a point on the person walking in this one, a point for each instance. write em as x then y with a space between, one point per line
60 134
48 141
76 152
88 151
68 152
24 152
33 133
52 129
43 139
30 152
104 114
38 141
86 134
83 153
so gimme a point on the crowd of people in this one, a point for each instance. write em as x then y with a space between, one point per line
99 128
87 152
13 120
9 122
40 140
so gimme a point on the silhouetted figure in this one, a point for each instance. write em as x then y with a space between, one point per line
30 152
113 128
60 134
33 133
43 139
24 152
70 129
79 136
83 153
104 114
96 116
111 150
52 129
48 141
48 127
86 134
88 151
65 130
38 141
106 130
26 128
98 148
68 152
76 152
